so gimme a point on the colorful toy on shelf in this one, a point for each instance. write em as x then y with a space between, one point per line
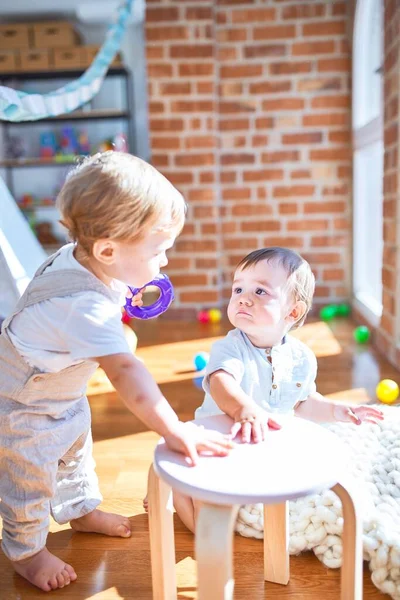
387 391
48 144
200 360
162 303
83 142
69 143
30 202
26 201
106 145
47 201
361 334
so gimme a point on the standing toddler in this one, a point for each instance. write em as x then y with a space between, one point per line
123 216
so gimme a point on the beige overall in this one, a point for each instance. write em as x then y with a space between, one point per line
46 463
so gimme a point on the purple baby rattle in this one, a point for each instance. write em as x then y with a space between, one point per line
159 306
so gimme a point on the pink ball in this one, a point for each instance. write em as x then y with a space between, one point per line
203 316
125 318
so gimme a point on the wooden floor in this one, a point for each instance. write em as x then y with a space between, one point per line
115 568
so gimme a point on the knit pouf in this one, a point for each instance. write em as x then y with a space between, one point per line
316 521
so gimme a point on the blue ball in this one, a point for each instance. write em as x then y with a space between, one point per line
200 360
198 382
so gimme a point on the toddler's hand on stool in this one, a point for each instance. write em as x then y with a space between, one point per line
253 422
190 440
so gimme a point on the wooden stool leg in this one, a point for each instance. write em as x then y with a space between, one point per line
276 543
162 543
214 551
352 565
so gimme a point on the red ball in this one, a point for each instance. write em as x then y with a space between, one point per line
125 318
203 316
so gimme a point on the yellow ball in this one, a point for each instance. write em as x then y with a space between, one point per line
387 391
215 315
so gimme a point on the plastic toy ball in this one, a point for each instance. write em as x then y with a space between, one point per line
329 312
343 310
125 318
215 315
200 360
361 334
203 316
387 391
198 382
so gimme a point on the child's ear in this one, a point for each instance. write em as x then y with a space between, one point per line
297 312
104 251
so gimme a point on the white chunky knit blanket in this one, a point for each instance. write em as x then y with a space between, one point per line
316 521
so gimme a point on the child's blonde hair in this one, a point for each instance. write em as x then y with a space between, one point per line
301 281
113 195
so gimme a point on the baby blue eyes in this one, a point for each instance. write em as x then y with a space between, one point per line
259 291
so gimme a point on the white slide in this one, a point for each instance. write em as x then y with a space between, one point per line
20 252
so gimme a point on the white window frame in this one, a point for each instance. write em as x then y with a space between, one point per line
367 135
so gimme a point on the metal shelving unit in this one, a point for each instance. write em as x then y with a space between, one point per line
12 166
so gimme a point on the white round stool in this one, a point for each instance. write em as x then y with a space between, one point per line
301 458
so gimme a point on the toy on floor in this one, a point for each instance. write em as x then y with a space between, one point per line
203 316
361 334
198 382
200 360
125 318
387 391
158 307
213 315
330 311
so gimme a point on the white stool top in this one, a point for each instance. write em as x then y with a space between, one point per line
301 458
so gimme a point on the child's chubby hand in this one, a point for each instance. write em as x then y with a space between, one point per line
137 298
191 440
357 414
253 422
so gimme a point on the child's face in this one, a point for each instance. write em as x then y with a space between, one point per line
261 303
138 263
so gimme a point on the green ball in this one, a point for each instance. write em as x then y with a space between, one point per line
329 312
343 310
361 334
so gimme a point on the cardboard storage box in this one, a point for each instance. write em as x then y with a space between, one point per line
34 60
14 36
54 34
8 62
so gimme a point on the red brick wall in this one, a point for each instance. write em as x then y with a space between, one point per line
388 334
250 118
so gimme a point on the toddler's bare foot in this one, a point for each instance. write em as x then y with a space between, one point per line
101 522
45 570
146 504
